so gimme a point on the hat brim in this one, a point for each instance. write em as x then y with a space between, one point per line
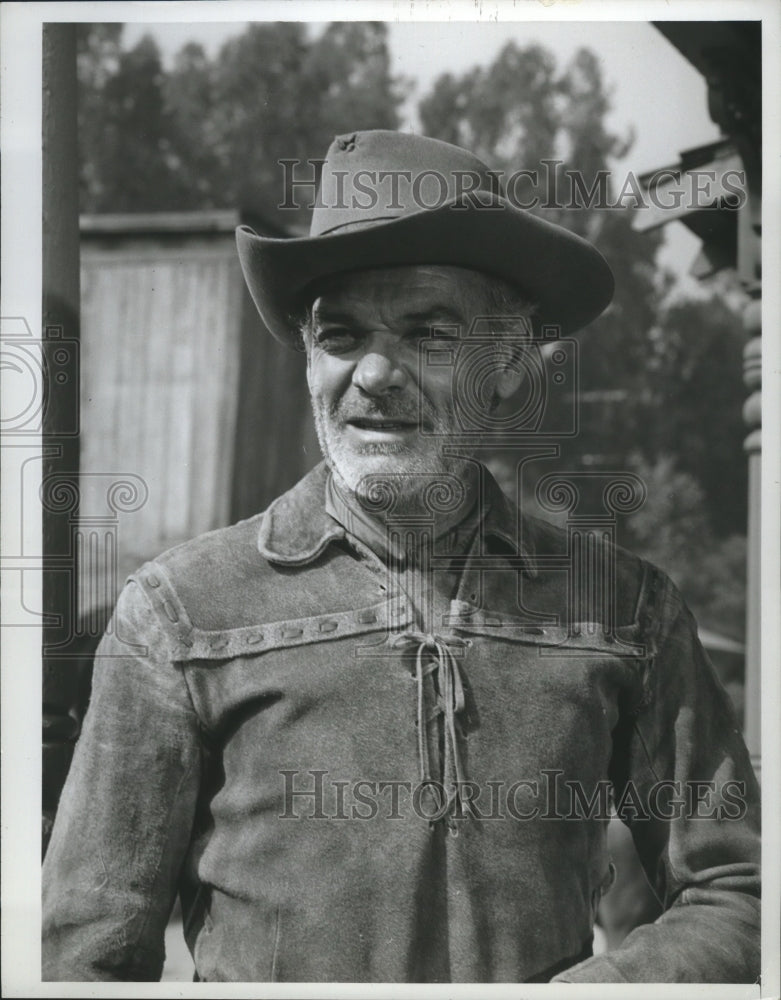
567 278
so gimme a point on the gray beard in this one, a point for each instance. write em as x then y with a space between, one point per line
410 477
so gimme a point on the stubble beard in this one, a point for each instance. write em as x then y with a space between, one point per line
413 468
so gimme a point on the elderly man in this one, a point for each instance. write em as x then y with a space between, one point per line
373 733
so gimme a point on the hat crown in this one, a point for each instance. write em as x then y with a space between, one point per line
376 176
391 199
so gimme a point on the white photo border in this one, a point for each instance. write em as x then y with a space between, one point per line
20 137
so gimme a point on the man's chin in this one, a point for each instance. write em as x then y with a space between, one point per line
410 472
357 472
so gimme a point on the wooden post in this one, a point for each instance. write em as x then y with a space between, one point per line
61 408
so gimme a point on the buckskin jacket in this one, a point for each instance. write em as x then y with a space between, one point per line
273 735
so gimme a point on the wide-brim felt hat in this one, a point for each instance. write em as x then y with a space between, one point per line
392 199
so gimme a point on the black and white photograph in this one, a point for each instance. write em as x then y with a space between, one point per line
390 516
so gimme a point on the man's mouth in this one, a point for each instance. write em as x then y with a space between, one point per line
383 423
381 429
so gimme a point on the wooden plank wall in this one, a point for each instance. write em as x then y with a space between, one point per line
159 386
275 436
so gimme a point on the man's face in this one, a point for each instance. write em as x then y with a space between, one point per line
378 409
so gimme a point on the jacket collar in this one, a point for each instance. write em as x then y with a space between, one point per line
296 528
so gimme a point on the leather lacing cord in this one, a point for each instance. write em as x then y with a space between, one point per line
450 702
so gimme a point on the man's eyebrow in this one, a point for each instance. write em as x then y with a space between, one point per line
434 315
425 317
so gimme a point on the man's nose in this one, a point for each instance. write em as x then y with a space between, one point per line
379 371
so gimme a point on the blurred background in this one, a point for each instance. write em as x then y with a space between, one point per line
181 128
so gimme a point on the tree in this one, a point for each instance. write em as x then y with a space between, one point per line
281 96
99 49
191 103
125 128
212 133
697 395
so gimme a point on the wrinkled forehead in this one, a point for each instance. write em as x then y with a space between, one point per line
400 291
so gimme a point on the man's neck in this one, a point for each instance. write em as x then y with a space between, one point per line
437 509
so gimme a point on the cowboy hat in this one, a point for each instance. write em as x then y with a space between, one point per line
392 198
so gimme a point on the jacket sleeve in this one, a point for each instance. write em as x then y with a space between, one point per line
685 787
126 812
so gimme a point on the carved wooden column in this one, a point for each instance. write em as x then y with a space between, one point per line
734 103
752 414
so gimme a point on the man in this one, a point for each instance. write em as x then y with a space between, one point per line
366 734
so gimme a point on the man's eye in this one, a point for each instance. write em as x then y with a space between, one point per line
336 340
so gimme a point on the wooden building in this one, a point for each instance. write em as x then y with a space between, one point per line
192 415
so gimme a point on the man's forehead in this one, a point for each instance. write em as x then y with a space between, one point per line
408 289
